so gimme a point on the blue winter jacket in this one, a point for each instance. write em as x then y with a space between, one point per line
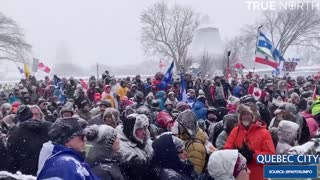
66 163
236 91
200 109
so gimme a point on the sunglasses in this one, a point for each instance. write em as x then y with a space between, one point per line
81 136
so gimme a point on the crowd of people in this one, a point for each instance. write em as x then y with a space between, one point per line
133 128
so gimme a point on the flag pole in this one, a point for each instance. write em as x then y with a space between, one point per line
255 51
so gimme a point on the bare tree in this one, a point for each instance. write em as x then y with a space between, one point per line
288 28
12 43
168 31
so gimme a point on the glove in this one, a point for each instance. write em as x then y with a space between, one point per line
246 152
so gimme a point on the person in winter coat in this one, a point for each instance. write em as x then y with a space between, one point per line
106 95
251 138
135 147
229 122
194 138
288 111
98 119
102 156
43 104
122 90
85 111
62 159
237 91
25 141
191 97
161 98
111 117
228 165
200 108
287 136
218 93
133 91
169 158
311 122
3 155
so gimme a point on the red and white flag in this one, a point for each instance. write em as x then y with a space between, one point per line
162 64
43 67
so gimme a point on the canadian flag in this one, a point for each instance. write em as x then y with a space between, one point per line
43 67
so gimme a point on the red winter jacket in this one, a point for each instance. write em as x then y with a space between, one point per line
258 138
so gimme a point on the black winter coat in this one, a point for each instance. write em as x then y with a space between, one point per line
107 170
3 157
24 145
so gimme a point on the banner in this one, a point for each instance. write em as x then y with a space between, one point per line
289 66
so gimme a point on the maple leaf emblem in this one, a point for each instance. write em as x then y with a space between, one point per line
257 93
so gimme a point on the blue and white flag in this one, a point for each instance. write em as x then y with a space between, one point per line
183 91
266 52
167 79
264 42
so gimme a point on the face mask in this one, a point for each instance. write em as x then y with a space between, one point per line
245 123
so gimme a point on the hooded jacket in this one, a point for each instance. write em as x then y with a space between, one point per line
259 140
287 134
135 154
166 161
195 140
200 109
63 163
24 145
222 163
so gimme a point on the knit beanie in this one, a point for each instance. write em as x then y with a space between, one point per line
101 135
241 164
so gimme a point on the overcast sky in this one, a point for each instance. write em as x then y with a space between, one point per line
106 31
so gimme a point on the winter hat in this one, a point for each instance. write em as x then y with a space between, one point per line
132 123
182 106
62 130
222 164
142 121
241 164
188 120
233 100
102 135
201 94
115 113
243 108
97 97
287 107
66 108
168 102
41 101
287 133
24 113
163 119
110 115
15 106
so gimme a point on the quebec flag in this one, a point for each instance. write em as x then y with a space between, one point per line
167 79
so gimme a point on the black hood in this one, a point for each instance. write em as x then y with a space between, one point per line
165 154
36 126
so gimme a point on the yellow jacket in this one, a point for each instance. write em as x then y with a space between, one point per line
122 92
196 150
